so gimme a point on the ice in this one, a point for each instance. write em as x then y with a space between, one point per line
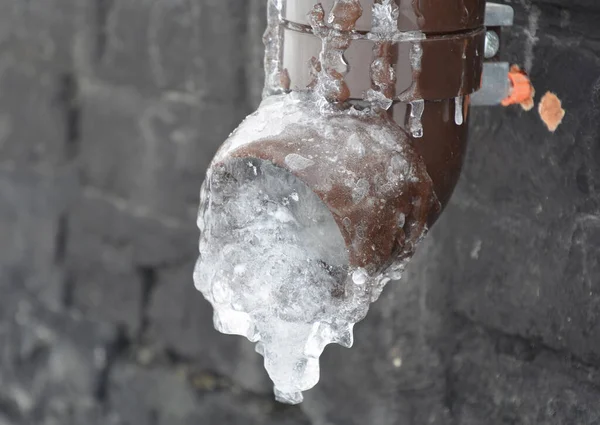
273 261
417 108
385 24
297 162
274 266
458 114
360 276
335 29
273 40
385 17
379 99
402 220
416 56
355 145
385 33
360 190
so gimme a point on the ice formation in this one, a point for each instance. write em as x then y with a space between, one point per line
273 265
312 205
458 110
277 264
417 108
274 74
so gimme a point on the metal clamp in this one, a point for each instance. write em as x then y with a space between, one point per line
459 54
495 85
449 41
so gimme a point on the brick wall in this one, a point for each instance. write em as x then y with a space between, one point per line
110 111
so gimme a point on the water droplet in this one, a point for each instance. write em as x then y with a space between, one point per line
401 220
360 276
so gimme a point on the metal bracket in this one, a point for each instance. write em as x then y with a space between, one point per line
495 85
499 15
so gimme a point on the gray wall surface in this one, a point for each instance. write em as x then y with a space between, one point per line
110 110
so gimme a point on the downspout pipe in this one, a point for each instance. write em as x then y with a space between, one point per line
319 199
438 93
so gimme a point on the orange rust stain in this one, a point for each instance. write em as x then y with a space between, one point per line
551 111
522 92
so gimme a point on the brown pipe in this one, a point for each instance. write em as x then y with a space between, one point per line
442 147
451 66
377 188
402 181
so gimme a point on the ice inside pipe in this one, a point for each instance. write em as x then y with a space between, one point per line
279 265
273 265
310 207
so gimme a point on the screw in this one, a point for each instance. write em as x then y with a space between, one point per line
492 44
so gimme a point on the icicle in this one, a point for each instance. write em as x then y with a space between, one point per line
335 31
416 56
273 39
385 33
417 108
383 75
458 113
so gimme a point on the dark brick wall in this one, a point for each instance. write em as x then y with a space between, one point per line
110 111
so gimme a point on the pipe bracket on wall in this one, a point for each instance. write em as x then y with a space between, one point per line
495 85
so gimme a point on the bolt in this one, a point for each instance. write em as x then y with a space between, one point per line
492 44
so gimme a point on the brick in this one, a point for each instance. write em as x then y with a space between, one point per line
30 96
524 226
152 152
150 396
112 242
52 363
548 294
103 289
181 321
164 396
37 35
501 380
169 45
31 207
518 168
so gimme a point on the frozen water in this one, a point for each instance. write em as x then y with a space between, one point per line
360 190
273 40
416 56
385 17
385 24
458 112
274 266
378 99
273 261
385 33
417 108
298 162
335 30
